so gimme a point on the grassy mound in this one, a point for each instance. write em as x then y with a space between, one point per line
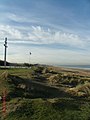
41 93
39 109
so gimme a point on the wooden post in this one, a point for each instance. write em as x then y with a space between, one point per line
5 45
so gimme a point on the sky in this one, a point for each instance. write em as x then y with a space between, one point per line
56 32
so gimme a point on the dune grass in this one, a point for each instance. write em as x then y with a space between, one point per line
39 109
44 100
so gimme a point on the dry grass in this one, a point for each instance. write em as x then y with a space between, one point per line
81 90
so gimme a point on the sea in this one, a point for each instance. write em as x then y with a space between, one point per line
85 67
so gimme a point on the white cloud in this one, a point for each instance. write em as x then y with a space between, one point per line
10 32
20 19
48 56
40 35
48 36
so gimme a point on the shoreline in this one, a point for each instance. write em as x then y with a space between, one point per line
77 67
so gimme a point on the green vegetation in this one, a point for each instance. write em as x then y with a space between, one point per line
61 109
45 93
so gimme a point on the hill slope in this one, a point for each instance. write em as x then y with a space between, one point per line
43 93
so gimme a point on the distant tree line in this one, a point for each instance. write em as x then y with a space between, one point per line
2 63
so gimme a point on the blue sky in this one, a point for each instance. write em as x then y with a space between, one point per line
55 31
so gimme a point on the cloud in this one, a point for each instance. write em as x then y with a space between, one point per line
40 35
22 19
48 36
48 56
10 32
